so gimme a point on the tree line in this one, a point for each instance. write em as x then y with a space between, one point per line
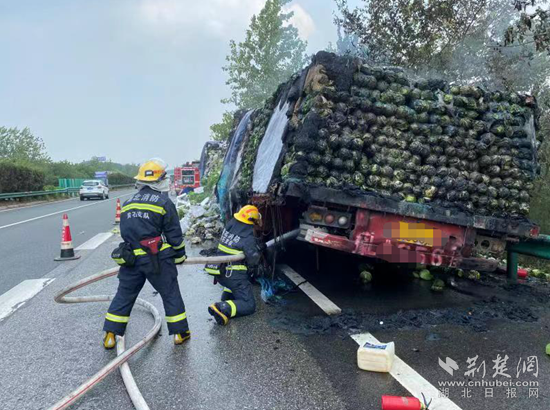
26 166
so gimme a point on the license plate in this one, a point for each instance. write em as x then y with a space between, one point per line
415 233
90 189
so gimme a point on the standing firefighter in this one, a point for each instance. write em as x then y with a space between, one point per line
237 239
153 245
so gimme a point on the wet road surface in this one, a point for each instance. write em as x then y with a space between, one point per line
290 354
30 237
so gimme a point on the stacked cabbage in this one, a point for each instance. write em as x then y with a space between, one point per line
417 141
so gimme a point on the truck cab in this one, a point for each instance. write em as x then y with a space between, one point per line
186 178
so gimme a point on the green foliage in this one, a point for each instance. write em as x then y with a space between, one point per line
271 52
222 130
87 169
213 177
23 154
96 165
21 145
196 199
532 27
410 32
118 178
209 184
19 177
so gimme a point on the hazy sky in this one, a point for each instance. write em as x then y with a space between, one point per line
129 79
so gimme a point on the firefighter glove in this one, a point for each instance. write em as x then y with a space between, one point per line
180 257
124 255
180 260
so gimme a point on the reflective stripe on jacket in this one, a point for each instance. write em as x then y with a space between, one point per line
237 238
149 214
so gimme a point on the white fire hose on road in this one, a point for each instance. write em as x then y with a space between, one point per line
123 354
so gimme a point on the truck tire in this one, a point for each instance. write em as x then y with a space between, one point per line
82 198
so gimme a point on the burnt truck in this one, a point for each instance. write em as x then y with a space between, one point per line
371 161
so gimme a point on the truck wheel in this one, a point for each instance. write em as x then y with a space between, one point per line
82 198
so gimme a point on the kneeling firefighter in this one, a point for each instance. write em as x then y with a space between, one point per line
153 245
237 239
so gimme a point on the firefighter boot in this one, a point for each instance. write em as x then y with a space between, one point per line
221 311
180 338
109 341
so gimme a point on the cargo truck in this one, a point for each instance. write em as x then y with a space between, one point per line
407 214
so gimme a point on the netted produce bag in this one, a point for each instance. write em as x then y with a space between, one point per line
380 131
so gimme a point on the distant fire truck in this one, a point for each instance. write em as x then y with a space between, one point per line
187 177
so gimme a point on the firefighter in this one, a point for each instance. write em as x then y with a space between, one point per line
153 245
237 239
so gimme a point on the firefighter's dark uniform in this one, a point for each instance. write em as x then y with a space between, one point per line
237 239
149 214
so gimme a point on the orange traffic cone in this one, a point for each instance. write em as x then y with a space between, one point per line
117 215
67 251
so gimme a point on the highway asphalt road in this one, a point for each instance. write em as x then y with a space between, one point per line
30 237
249 364
290 354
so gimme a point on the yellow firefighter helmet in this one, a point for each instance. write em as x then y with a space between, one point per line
248 215
152 171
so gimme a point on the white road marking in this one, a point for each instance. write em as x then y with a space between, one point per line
17 296
62 212
320 300
17 208
94 242
413 382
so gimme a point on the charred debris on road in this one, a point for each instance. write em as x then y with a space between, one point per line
491 302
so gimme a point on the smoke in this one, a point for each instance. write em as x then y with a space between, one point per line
301 20
217 18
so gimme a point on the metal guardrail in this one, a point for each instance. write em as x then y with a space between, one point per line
67 191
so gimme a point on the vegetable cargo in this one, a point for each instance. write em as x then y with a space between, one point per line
344 136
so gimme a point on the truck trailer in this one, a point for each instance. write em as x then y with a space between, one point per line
369 161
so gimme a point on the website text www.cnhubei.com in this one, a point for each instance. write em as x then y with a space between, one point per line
489 383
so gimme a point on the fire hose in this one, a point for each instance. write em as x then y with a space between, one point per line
123 354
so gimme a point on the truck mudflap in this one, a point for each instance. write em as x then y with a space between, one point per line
399 239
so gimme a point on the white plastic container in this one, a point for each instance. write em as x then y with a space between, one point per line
376 357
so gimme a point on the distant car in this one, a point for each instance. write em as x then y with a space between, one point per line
93 189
